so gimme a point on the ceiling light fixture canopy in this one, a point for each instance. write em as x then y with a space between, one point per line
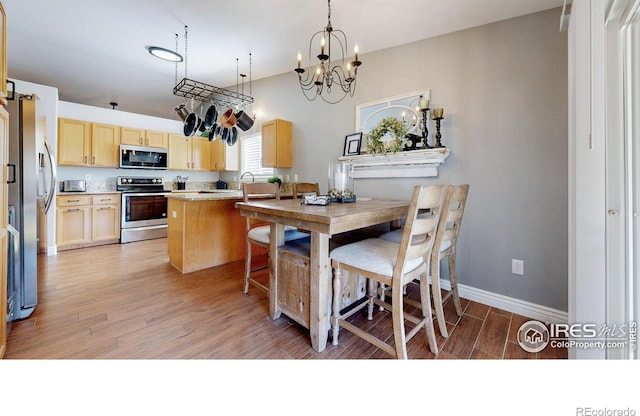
335 73
166 54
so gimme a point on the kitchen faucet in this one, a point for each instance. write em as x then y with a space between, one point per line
253 178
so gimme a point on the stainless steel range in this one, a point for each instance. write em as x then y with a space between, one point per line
144 208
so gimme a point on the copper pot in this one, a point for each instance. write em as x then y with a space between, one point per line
228 119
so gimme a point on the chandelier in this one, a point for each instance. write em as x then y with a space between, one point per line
334 75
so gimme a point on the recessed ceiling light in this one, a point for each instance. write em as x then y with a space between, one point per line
165 54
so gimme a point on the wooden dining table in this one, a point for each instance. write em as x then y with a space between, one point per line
322 222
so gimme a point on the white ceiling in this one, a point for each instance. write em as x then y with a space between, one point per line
94 52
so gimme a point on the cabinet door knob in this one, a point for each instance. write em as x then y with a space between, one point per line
613 212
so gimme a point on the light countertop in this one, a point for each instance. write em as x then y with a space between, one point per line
88 193
212 195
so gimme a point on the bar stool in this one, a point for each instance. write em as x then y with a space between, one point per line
446 240
258 233
395 265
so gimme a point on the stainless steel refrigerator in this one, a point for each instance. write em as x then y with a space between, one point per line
31 179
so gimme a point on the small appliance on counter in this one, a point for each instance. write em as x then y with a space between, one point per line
222 185
74 186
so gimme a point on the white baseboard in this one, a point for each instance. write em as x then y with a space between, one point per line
521 307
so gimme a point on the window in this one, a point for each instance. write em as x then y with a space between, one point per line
251 157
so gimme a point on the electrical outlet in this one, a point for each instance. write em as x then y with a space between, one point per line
87 177
517 267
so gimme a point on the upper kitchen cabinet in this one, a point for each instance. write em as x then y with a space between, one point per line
3 56
224 157
276 144
189 153
105 145
74 140
156 139
81 143
140 137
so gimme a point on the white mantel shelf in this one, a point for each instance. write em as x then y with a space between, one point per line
410 164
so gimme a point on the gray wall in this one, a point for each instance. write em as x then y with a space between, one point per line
504 90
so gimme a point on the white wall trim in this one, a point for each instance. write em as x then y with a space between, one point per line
509 304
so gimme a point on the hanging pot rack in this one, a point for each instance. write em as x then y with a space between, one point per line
200 91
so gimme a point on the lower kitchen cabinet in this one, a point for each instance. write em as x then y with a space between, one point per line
87 220
204 233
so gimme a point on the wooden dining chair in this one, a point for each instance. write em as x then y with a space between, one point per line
395 265
446 240
300 188
258 233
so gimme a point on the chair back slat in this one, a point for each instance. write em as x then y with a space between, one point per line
300 188
451 219
259 190
255 191
419 231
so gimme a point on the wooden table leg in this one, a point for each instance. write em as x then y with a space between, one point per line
276 240
320 287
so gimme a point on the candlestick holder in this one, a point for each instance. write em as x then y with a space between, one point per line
438 143
425 130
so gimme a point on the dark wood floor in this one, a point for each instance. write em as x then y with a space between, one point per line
126 302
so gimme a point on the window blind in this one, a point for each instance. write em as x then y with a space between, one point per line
251 157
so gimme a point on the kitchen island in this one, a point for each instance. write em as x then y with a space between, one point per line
204 229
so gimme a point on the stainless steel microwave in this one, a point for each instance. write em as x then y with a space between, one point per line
141 157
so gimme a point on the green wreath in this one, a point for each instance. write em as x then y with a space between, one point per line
392 125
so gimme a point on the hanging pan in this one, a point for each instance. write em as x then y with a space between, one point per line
191 124
210 117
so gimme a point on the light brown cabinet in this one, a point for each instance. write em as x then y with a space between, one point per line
87 220
224 157
189 153
82 143
276 144
141 137
204 233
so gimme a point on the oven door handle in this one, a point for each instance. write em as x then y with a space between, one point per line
145 193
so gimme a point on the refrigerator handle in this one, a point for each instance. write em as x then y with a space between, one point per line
13 173
52 186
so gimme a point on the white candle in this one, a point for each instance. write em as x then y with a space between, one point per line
299 59
355 51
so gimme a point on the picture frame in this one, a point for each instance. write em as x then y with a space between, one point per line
352 144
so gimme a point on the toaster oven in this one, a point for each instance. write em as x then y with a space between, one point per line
74 186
